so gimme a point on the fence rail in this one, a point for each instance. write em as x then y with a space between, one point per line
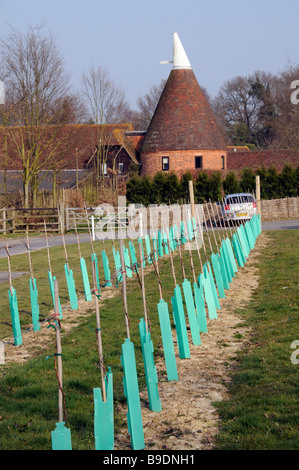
16 220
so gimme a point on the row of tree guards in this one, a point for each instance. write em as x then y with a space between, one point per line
192 302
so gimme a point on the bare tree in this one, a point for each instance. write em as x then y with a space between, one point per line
106 104
257 109
287 124
237 108
36 85
148 103
104 99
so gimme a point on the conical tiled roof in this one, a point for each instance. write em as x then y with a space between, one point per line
183 119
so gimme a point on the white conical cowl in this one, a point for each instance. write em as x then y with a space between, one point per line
180 59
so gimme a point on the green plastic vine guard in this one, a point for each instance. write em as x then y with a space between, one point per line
243 242
106 269
61 437
34 304
183 235
180 323
94 259
193 322
142 250
237 250
218 277
249 235
127 262
131 390
86 285
133 256
209 296
213 286
167 340
117 264
200 304
223 270
171 239
71 287
227 241
230 259
148 248
15 318
223 254
165 243
175 236
160 246
151 375
51 283
104 415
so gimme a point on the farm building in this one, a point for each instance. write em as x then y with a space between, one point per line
183 135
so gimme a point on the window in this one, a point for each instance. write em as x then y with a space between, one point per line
198 162
104 169
165 163
121 168
223 162
240 198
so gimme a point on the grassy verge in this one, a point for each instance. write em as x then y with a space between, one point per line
262 412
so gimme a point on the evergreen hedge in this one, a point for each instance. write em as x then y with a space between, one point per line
167 188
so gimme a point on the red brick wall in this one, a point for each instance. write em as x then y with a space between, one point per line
181 161
255 159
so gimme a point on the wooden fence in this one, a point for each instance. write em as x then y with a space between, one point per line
13 220
20 220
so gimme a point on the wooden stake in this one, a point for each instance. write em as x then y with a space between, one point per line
181 259
58 359
191 257
90 236
226 218
204 219
98 331
172 267
191 193
197 246
222 224
29 256
217 248
77 236
156 267
214 217
63 240
203 243
9 269
48 251
258 194
124 287
143 289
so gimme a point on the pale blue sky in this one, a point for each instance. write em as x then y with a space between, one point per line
222 39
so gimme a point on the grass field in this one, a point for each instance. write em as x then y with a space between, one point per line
262 412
